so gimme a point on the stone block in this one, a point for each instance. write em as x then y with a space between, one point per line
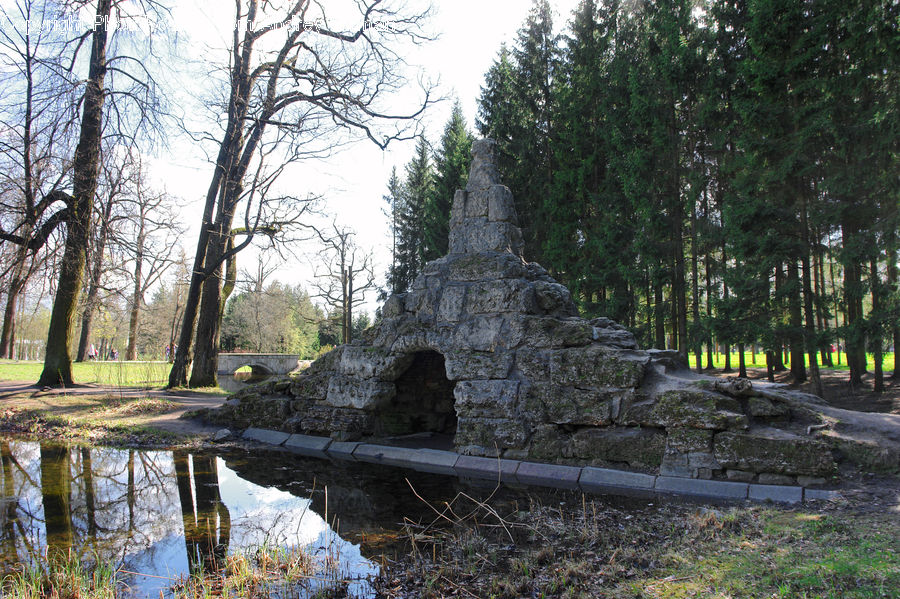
326 420
265 436
554 299
491 433
479 333
740 475
495 297
761 407
776 493
386 454
342 449
436 461
767 478
486 399
548 475
471 365
571 405
458 209
487 468
534 364
703 488
484 266
697 409
639 447
369 394
477 203
597 367
597 480
452 304
775 451
394 305
501 207
308 445
547 443
548 332
372 362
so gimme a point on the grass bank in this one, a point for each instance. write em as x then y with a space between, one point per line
758 360
668 551
124 374
118 421
262 573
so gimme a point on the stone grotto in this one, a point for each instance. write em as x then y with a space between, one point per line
488 350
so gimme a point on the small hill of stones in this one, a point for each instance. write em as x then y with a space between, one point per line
489 349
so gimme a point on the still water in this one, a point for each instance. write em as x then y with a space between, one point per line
164 514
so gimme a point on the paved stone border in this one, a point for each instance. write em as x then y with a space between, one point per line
588 478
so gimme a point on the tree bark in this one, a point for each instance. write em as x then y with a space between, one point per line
810 327
138 293
796 336
90 304
876 341
853 295
85 167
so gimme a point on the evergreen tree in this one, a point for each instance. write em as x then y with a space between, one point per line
450 173
395 210
410 228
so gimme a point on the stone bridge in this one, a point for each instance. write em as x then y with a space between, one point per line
258 363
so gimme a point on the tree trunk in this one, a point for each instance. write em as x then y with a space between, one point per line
742 362
90 304
709 339
138 293
796 337
695 290
853 294
203 371
892 288
85 167
810 328
659 311
16 284
876 342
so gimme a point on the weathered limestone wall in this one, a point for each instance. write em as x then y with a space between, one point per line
530 379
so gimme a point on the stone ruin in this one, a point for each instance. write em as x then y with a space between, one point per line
489 350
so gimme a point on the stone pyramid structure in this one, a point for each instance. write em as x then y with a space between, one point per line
489 350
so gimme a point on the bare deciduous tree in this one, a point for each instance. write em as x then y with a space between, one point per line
297 82
344 278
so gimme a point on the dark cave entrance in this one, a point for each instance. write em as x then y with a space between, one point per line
424 402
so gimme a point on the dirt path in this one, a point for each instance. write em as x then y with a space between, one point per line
82 399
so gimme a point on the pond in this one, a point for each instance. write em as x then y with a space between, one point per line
161 515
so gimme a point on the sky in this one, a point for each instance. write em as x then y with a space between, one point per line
353 181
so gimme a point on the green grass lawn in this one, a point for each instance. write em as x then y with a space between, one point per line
760 362
142 374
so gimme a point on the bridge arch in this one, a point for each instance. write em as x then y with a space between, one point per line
260 364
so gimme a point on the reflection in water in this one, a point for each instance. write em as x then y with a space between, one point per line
161 514
207 522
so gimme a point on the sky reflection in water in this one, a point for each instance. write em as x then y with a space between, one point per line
157 513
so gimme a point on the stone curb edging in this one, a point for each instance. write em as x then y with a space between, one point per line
588 479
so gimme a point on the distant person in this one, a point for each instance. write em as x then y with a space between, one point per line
168 351
92 353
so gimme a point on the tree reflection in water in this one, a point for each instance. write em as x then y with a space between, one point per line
207 522
156 513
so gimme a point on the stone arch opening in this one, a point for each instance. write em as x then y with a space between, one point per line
424 401
254 369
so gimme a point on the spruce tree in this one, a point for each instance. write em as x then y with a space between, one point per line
451 170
